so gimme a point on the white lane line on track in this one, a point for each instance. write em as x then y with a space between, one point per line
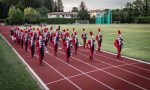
54 70
86 73
107 72
120 68
60 73
31 70
122 61
83 73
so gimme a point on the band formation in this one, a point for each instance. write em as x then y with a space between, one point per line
37 40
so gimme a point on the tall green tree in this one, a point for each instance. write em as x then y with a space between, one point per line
31 14
49 4
55 7
83 12
74 9
43 11
15 15
129 12
60 7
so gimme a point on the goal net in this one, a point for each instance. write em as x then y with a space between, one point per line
82 22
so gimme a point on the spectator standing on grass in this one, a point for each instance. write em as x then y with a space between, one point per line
118 44
99 39
91 45
84 37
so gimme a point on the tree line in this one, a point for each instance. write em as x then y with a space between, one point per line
137 11
45 5
132 12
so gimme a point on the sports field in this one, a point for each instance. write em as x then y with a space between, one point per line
105 72
136 38
13 74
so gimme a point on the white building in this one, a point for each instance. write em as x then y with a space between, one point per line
62 15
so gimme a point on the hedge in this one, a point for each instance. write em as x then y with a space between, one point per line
53 21
143 19
57 20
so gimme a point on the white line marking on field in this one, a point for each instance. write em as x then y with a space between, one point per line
31 70
107 72
71 77
86 73
83 72
121 61
60 73
133 59
119 67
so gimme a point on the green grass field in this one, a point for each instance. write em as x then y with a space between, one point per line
136 38
13 74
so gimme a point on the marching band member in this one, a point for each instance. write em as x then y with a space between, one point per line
63 37
21 38
67 46
26 39
67 32
46 38
32 43
84 37
91 45
118 44
99 39
55 44
51 34
40 48
74 40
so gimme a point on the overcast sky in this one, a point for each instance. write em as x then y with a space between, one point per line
95 4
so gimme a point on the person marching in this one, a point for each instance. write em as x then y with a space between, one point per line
21 38
75 40
84 37
91 45
67 46
18 36
63 37
55 44
67 32
46 38
118 44
99 39
51 35
32 43
40 48
26 39
12 33
76 43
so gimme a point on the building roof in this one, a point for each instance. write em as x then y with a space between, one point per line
63 13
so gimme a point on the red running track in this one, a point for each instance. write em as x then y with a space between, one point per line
103 73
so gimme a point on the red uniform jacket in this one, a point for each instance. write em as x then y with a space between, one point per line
91 44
